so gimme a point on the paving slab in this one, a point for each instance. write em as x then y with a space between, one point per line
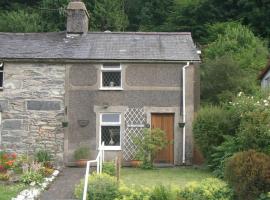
63 187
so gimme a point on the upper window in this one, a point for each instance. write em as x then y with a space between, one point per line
111 77
1 75
110 130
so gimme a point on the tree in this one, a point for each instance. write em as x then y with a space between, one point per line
20 21
231 62
108 15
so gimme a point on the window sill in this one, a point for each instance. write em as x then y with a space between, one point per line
114 89
112 148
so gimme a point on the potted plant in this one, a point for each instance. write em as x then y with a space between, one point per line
81 156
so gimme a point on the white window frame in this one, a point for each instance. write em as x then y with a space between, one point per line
2 71
112 69
106 147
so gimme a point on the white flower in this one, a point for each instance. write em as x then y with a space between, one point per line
239 94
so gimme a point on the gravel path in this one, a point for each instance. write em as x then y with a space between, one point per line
63 186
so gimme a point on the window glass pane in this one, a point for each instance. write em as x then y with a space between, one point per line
111 117
110 135
1 79
1 66
111 79
111 65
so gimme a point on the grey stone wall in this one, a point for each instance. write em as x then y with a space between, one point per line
33 107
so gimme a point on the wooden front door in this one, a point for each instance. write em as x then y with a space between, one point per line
164 122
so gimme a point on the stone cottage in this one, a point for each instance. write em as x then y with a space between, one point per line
76 88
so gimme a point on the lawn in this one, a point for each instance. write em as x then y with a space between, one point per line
9 191
166 176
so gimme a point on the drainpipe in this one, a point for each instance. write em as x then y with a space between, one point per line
184 112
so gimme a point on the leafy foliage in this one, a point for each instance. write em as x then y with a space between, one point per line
100 187
20 21
208 189
82 153
43 156
209 128
249 118
162 192
31 176
231 62
109 15
153 140
109 168
248 173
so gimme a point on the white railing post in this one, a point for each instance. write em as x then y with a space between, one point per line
99 160
86 180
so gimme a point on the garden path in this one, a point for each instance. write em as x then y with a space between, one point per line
63 187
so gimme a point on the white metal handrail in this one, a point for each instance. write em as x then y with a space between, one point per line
99 160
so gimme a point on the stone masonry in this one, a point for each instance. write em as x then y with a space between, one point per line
32 103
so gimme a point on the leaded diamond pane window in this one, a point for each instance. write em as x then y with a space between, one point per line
111 79
110 135
110 130
111 76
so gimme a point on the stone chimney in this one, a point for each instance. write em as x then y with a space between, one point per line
77 17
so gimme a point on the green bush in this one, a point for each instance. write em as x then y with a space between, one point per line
43 156
162 193
209 128
82 153
221 154
132 193
248 173
31 176
100 187
208 189
109 168
153 140
249 122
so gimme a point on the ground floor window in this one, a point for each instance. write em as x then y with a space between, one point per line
110 130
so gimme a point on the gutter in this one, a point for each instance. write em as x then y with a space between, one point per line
184 112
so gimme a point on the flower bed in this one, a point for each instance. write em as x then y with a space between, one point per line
35 172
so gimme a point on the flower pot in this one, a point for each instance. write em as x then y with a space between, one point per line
81 163
135 163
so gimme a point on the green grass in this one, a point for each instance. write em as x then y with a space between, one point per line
165 176
9 191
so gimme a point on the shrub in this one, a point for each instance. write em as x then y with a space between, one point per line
253 115
209 128
132 193
248 173
152 141
221 154
208 189
43 156
82 153
100 187
31 176
249 120
162 193
109 168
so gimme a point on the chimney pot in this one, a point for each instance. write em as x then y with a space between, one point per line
77 17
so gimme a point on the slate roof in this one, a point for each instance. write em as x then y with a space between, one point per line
99 45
